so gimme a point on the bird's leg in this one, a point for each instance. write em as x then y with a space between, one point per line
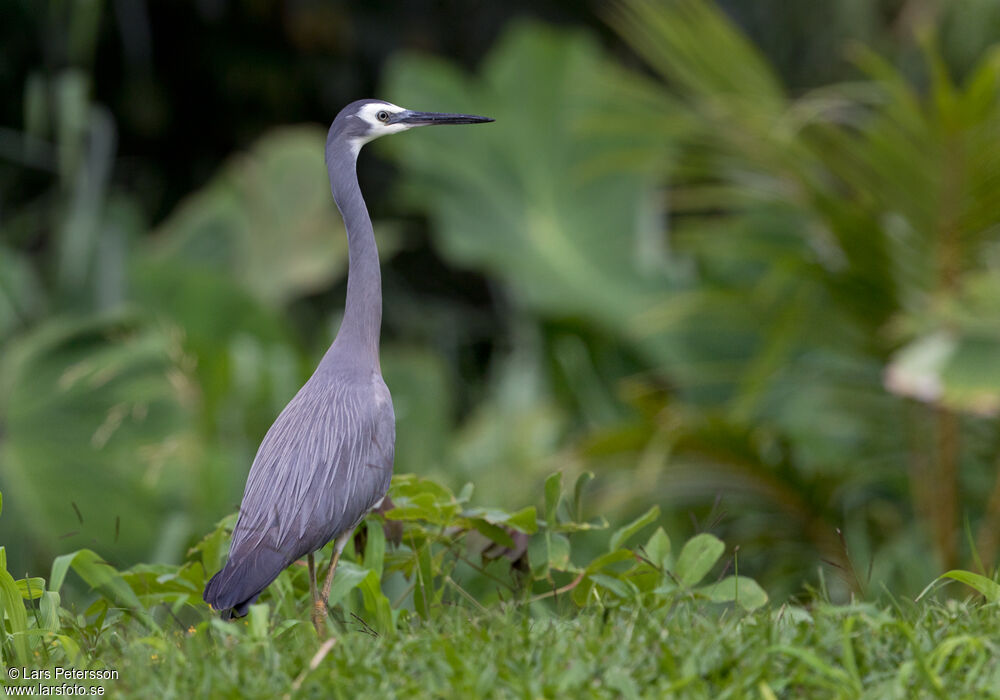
317 621
312 576
338 547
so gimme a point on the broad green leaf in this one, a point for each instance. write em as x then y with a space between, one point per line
417 498
551 551
465 495
103 577
559 550
623 534
375 547
213 546
615 585
598 523
612 557
492 532
49 608
578 489
12 602
423 590
553 494
348 577
155 583
525 520
538 556
69 646
376 603
581 594
31 588
744 591
657 549
697 558
418 507
575 510
988 588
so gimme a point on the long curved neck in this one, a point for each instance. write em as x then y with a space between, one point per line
359 332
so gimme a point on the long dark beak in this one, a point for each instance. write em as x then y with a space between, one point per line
427 118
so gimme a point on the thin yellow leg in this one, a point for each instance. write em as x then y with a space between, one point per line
319 603
338 548
317 620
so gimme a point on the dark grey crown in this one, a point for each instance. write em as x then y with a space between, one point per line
348 125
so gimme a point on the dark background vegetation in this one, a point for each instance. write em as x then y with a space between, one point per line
752 282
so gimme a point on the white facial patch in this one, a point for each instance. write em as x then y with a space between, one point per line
369 114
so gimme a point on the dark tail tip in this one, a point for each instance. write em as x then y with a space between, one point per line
222 603
213 594
236 587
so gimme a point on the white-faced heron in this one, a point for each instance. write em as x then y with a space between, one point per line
327 460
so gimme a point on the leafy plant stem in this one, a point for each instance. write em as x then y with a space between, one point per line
559 591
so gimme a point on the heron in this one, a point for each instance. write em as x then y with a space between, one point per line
327 460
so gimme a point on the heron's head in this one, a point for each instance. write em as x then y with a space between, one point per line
364 120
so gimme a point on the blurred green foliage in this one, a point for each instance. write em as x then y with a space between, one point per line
771 311
446 554
469 599
849 215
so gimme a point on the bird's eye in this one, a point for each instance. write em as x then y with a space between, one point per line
382 116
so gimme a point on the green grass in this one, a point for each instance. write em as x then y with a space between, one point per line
689 649
437 615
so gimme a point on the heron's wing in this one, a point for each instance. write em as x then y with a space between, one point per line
359 480
383 449
323 464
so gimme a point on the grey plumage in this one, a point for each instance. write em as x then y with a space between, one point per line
322 466
327 459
